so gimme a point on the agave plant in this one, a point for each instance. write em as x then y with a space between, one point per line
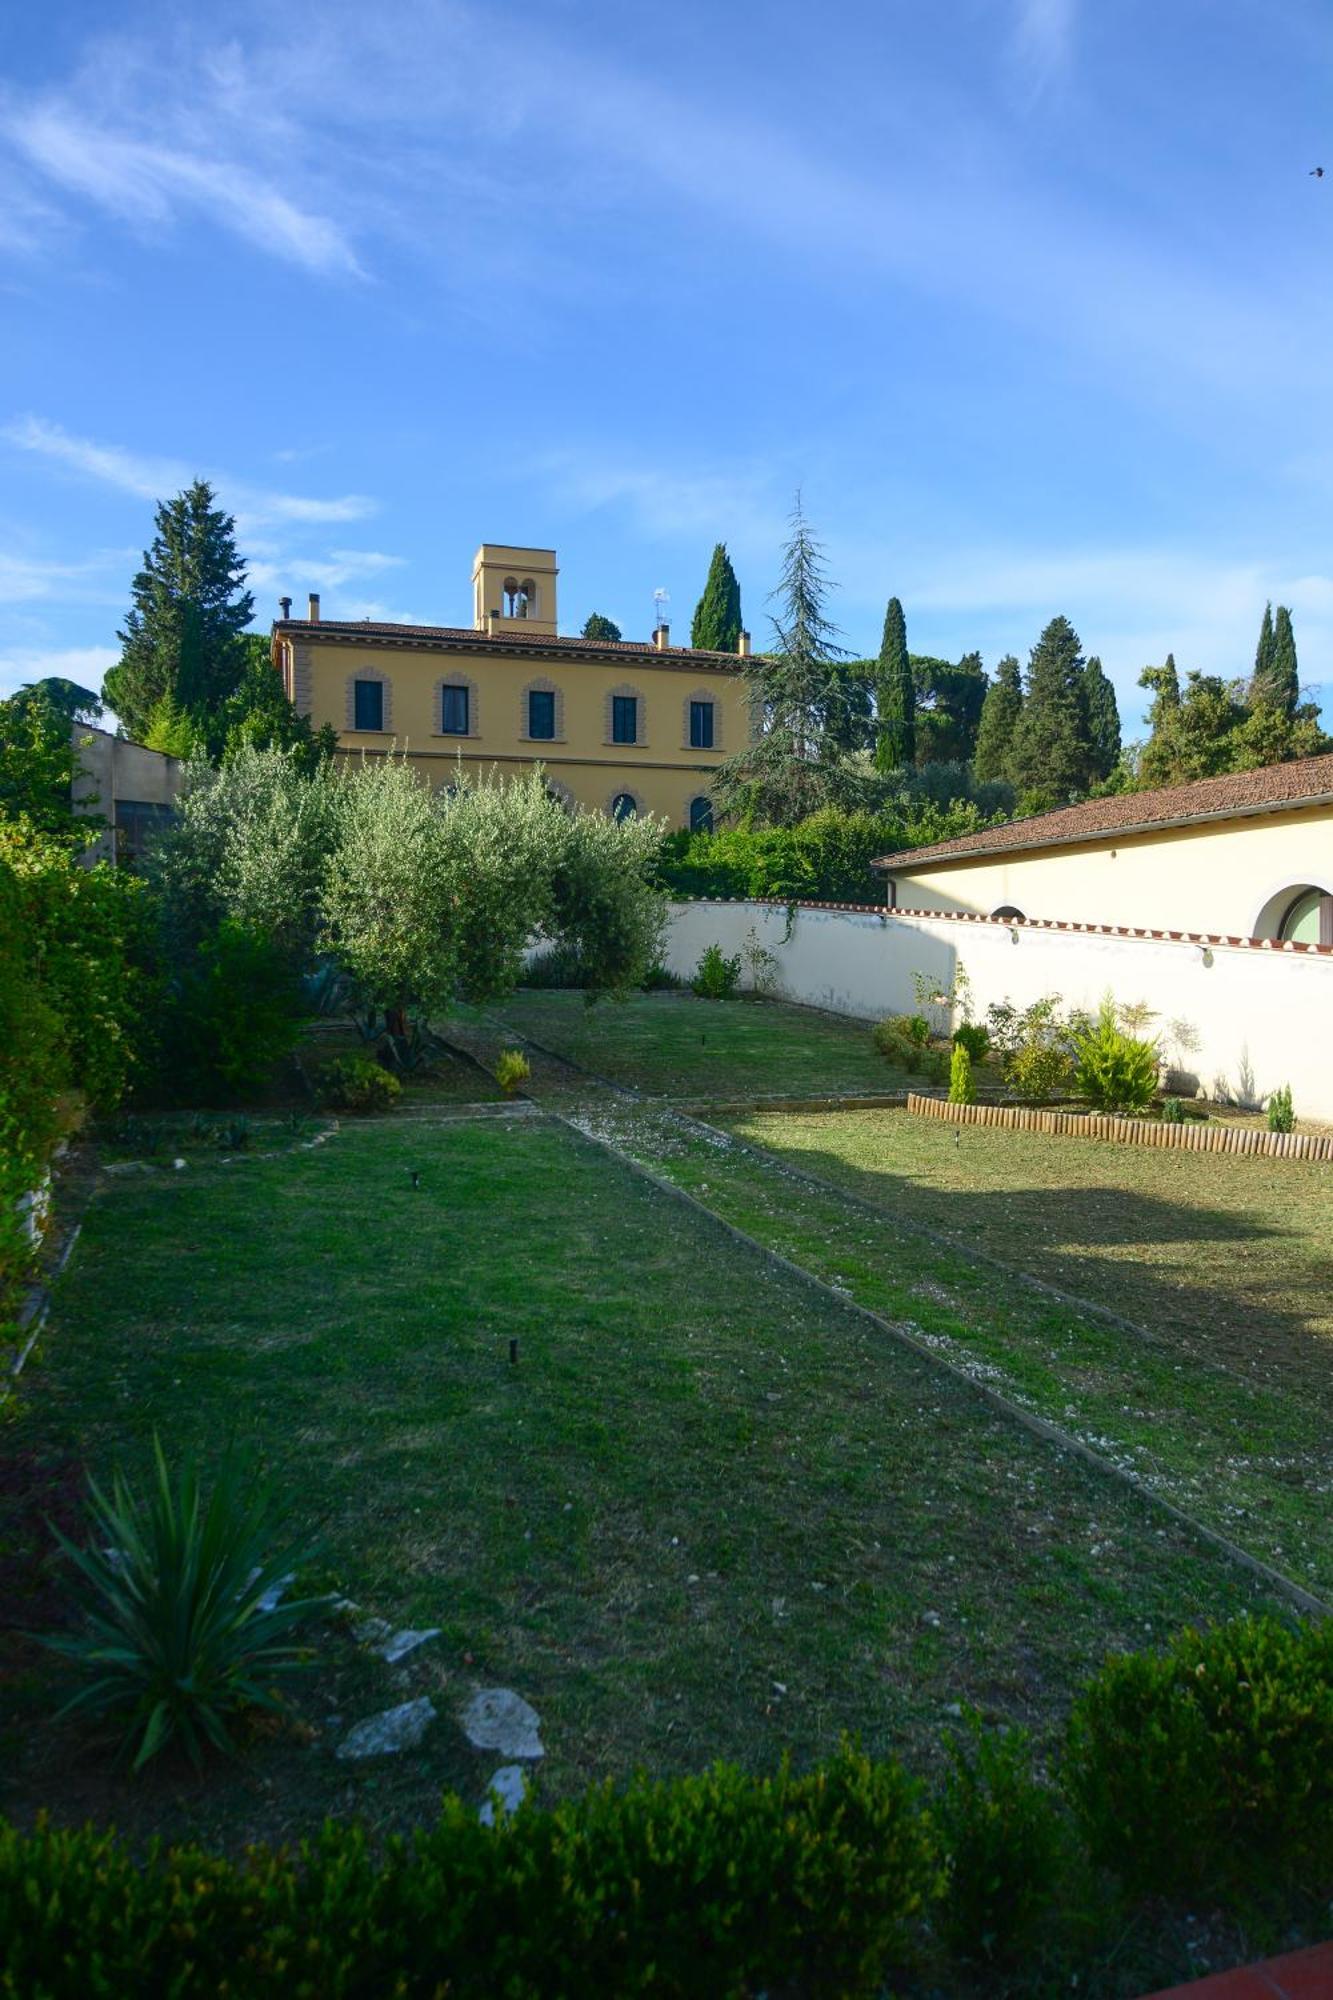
182 1623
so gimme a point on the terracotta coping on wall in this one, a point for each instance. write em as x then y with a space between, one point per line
1297 1975
1279 945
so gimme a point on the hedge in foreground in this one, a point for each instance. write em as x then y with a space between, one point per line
721 1884
1207 1771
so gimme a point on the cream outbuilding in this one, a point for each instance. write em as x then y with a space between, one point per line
1247 855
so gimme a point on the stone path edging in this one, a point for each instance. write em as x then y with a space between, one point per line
1296 1594
911 1227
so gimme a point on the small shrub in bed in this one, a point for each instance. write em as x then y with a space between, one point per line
1115 1071
717 977
904 1040
962 1089
1173 1111
355 1083
1281 1117
1039 1070
512 1070
974 1036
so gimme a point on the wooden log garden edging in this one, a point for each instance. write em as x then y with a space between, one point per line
1195 1136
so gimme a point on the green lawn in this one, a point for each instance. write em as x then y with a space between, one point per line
1224 1265
709 1512
674 1045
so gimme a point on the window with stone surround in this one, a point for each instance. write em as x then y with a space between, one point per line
456 706
369 690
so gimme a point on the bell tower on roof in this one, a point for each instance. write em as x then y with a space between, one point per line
514 588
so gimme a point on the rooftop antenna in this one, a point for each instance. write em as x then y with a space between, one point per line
661 599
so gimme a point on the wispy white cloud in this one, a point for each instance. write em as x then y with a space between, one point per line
151 185
150 478
26 579
329 572
1042 41
131 472
84 664
665 498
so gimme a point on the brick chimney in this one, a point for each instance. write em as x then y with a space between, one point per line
314 607
662 638
285 606
743 646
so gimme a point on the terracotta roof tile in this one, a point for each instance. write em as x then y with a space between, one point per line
1308 781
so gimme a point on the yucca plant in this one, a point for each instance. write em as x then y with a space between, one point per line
181 1627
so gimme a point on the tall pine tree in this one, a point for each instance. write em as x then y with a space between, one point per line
895 694
716 627
1103 720
793 763
182 638
1050 752
999 718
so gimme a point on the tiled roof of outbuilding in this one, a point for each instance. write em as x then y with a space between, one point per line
1237 795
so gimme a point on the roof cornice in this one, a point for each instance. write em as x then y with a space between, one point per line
589 652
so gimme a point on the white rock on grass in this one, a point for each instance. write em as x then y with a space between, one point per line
400 1728
510 1783
499 1719
403 1643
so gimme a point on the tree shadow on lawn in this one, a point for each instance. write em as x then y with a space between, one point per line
1205 1308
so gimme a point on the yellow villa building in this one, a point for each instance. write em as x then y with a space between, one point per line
619 726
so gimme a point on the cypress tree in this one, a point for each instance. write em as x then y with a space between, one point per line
999 718
1281 686
1263 658
716 627
182 637
595 626
895 694
1050 751
1103 718
1161 753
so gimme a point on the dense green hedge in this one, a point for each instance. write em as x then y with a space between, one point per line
720 1884
73 1008
1202 1773
1207 1771
825 858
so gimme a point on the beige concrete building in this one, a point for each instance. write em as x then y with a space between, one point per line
133 789
620 726
1247 855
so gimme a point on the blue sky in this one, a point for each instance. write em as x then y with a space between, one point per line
1031 298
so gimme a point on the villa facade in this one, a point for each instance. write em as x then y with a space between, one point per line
618 726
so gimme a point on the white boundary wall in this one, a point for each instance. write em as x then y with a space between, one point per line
1261 1017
